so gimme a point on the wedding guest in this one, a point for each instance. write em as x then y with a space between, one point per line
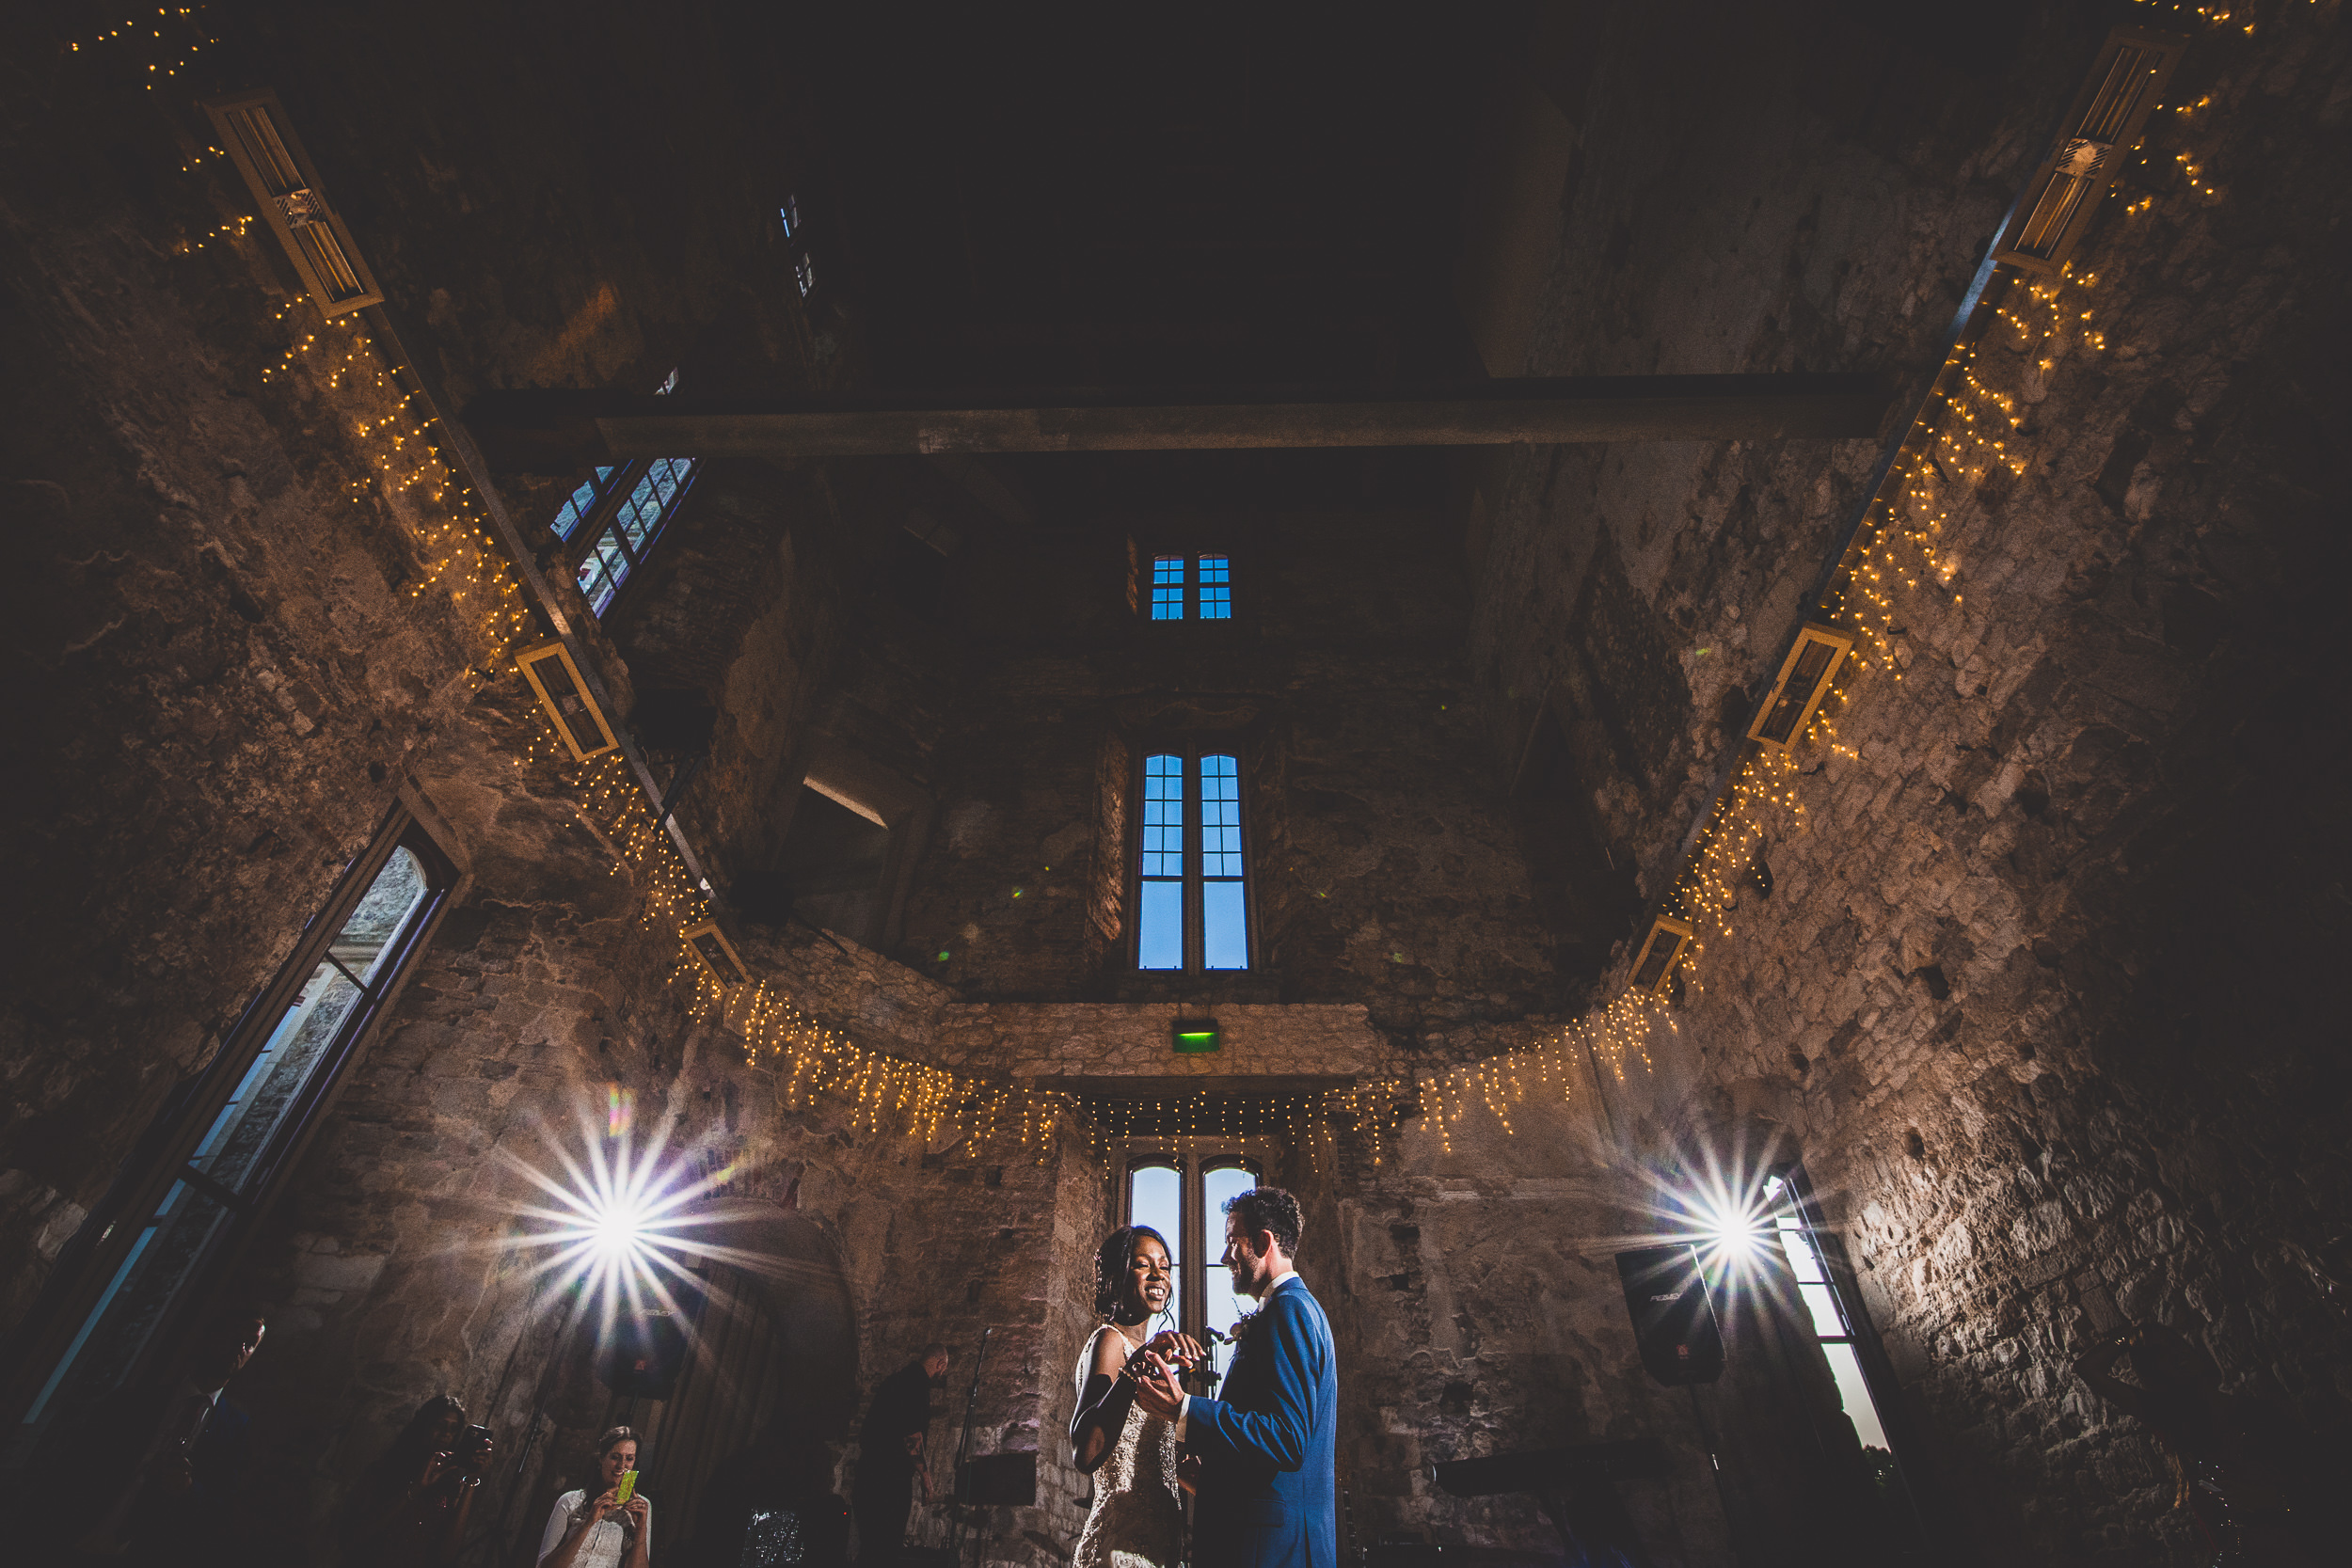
890 1454
772 1503
602 1532
175 1459
409 1508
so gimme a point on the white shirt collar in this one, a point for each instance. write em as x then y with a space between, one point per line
1280 1280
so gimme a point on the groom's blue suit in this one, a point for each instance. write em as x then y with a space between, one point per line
1265 1448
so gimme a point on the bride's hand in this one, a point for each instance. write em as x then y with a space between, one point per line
1157 1390
1177 1347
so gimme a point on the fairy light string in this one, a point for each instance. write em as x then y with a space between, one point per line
1903 560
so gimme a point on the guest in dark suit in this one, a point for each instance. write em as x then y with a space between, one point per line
890 1451
1266 1484
172 1459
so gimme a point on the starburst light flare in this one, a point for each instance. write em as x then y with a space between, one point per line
619 1227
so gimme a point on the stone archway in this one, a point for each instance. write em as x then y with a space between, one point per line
774 1342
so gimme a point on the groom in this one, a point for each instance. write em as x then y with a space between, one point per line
1265 1448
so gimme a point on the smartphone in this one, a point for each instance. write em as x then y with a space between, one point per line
629 1486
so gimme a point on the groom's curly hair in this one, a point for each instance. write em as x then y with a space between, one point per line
1114 1257
1268 1208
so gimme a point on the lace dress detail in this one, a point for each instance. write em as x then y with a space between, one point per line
1137 1520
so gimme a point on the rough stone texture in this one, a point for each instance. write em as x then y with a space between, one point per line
2030 991
1384 858
2005 990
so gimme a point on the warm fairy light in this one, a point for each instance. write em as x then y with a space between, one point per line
1959 440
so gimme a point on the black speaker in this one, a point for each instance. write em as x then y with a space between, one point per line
646 1351
1673 1320
999 1479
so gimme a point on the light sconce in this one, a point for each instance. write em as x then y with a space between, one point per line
1669 939
253 127
1195 1037
1803 682
717 955
552 675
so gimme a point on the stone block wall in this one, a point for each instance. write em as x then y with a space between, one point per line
1999 984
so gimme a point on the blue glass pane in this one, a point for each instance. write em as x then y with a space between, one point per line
1220 817
1168 588
1224 928
1156 1197
648 506
1163 817
1160 926
1224 1306
1217 588
583 501
602 574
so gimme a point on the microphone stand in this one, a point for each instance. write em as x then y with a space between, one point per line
956 1487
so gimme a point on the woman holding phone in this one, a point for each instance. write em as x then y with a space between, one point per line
615 1529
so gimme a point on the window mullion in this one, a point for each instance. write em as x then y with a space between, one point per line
599 517
1196 832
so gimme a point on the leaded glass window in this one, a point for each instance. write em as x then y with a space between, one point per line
621 545
1168 588
1217 588
1192 904
1198 587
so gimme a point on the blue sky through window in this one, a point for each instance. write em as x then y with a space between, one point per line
1217 588
1156 1197
1160 918
1168 588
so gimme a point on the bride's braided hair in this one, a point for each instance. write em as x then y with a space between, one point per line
1113 1260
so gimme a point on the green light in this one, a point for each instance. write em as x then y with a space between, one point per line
1195 1036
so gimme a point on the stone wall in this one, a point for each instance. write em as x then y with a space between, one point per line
2001 985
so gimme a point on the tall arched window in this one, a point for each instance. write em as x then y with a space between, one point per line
1192 889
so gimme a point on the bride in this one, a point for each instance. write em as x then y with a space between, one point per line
1138 1521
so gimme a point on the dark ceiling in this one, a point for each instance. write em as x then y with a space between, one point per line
1153 198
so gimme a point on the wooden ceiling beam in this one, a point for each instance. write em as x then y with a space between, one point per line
560 432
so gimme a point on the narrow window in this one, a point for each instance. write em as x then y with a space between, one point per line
1217 588
1168 588
1192 900
163 1231
1182 1196
1844 1334
622 510
1223 1177
1223 926
1160 908
1156 1196
621 547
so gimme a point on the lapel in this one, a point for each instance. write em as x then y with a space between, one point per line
1251 1360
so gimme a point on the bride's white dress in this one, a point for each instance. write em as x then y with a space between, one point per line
1137 1520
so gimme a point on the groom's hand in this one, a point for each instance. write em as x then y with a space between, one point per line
1157 1390
1178 1347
